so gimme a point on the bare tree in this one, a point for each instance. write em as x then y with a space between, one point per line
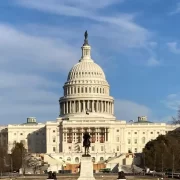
177 119
33 162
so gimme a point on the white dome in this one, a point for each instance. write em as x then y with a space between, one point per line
86 91
86 69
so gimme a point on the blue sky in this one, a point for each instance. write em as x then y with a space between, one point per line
136 42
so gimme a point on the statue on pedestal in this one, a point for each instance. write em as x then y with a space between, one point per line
86 143
52 175
121 175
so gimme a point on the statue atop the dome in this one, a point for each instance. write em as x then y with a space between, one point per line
85 38
86 35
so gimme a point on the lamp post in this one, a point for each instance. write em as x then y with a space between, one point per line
172 164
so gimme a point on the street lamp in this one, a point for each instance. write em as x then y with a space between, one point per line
172 164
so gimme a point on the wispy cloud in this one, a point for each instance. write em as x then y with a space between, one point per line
27 95
153 62
176 10
122 110
122 26
24 51
172 101
173 47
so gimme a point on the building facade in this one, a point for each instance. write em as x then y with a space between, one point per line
86 105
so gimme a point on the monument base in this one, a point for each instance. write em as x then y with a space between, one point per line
86 169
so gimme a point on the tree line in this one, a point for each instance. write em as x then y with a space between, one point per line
18 159
163 153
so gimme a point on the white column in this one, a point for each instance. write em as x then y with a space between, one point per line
88 104
102 106
113 107
105 106
92 105
84 106
79 106
108 107
67 107
64 107
74 107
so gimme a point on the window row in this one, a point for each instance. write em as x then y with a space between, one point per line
143 133
77 74
76 90
130 150
143 141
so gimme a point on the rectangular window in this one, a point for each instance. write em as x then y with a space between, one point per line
129 141
54 140
135 150
117 139
102 148
129 150
54 149
135 141
92 148
117 148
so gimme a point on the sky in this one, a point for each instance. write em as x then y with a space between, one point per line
136 42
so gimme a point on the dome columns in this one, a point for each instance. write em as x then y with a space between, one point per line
86 106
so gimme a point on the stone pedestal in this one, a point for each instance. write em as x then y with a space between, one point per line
86 169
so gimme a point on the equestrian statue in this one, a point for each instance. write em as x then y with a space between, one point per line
86 143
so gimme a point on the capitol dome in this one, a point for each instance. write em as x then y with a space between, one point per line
86 69
86 89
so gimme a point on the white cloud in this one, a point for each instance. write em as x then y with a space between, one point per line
27 95
24 51
124 31
153 44
153 62
177 9
173 47
26 56
128 110
172 101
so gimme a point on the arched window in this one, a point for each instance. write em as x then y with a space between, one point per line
97 90
78 90
93 159
89 89
143 140
77 160
100 90
85 89
94 90
82 90
75 90
68 159
101 159
103 90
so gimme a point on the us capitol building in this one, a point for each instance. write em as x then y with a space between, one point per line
85 105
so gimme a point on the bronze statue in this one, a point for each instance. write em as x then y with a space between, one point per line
121 175
52 175
86 35
86 143
85 38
